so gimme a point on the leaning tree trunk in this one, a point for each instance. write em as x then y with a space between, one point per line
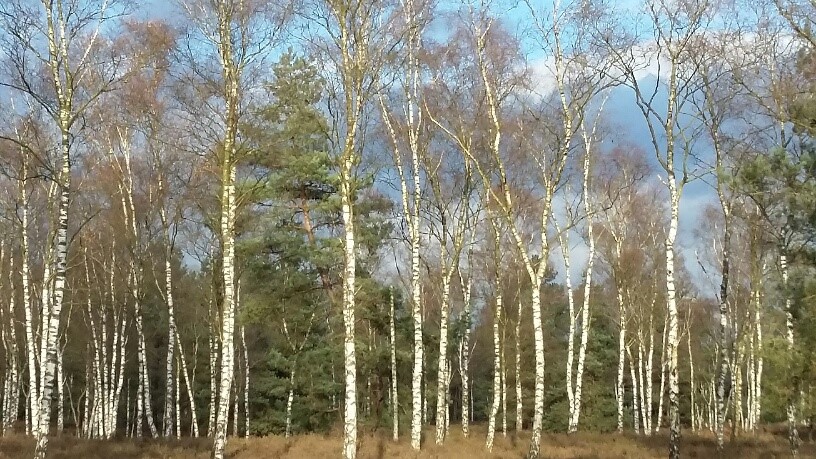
585 315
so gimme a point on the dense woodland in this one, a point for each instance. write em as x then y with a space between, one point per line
274 217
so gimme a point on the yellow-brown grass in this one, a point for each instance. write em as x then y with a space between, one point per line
379 445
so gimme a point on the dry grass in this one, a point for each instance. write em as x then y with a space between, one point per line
374 446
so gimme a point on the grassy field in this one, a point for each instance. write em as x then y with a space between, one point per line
582 445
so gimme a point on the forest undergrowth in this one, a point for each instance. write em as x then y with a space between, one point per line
767 444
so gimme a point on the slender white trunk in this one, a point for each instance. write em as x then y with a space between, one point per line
227 340
661 392
188 383
213 354
758 326
289 399
649 374
464 346
585 313
350 263
394 396
51 315
585 323
724 362
619 388
231 74
563 238
60 392
494 406
416 377
692 384
246 382
673 338
442 363
538 401
31 350
519 395
170 398
635 392
235 399
642 384
177 398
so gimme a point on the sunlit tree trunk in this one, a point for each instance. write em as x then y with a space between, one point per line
519 394
31 350
393 344
635 392
289 399
231 74
692 385
497 317
619 388
171 396
661 391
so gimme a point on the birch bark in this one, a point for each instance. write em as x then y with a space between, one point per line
496 399
394 394
231 74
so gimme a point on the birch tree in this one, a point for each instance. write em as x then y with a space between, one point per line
674 27
415 16
63 38
357 36
239 34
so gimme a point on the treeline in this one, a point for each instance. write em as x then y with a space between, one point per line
254 217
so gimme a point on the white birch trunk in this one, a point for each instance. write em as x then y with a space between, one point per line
442 363
246 382
60 393
188 383
692 385
213 355
661 391
289 399
673 338
519 394
170 398
394 395
464 353
228 310
31 350
494 406
416 377
635 393
350 359
177 398
619 388
563 238
758 379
